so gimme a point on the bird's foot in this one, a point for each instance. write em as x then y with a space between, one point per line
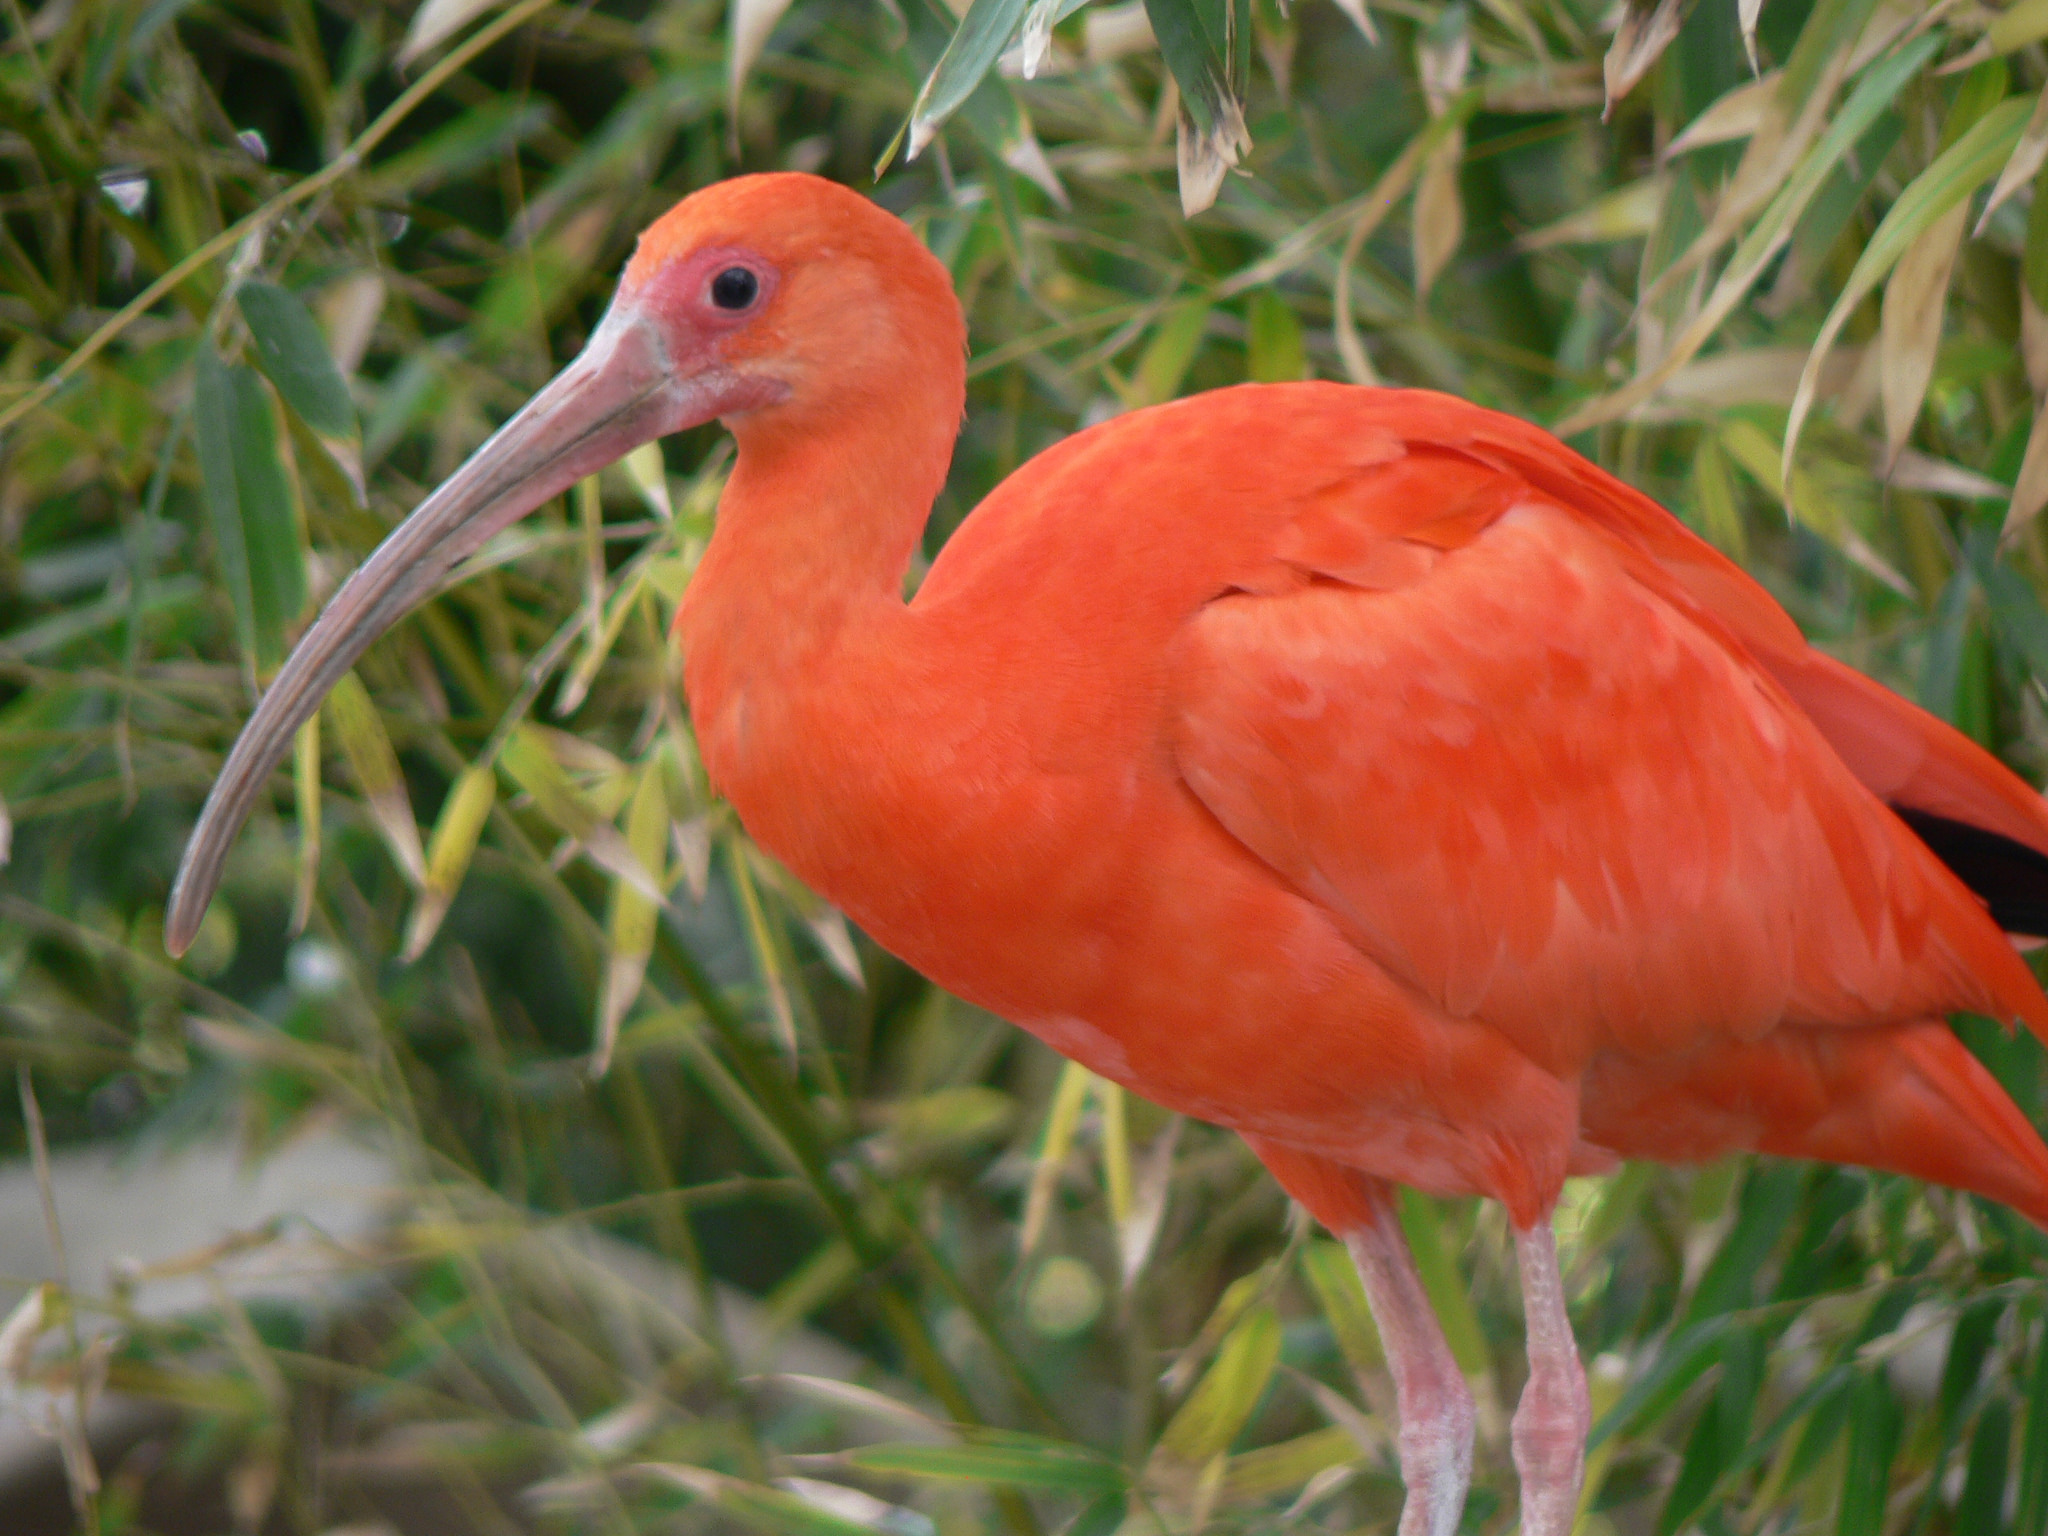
1555 1413
1436 1459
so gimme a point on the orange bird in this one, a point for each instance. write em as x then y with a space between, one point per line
1356 768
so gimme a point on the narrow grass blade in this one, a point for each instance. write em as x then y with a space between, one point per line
371 759
1422 1222
1060 1124
1206 1424
630 925
1915 299
449 851
1009 1462
1334 1278
306 807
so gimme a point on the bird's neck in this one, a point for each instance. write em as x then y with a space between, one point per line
814 533
794 628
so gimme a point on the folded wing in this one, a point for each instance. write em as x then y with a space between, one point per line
1542 776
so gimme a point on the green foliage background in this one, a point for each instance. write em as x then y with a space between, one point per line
261 251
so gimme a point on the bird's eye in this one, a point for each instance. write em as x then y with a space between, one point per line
734 288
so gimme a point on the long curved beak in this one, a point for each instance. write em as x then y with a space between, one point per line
621 392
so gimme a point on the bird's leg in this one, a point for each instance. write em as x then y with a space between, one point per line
1435 1403
1555 1413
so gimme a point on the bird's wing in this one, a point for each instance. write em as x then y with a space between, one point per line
1531 776
1902 754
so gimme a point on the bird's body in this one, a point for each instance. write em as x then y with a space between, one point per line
1382 793
1356 768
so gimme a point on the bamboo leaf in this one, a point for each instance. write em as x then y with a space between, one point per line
1014 1462
1439 222
1746 14
1167 357
438 20
1874 1420
2018 26
980 38
1223 1400
293 355
1448 1296
306 808
630 925
1274 350
2030 488
1627 213
1140 1230
374 764
1910 332
252 501
2032 1513
1873 94
1646 30
449 851
1116 1150
771 1510
532 758
1972 160
1736 115
1060 1123
748 26
1334 1278
1981 1505
1206 45
1272 1470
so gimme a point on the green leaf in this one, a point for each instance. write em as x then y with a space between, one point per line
1225 1397
449 851
1873 95
293 356
2034 264
1274 350
764 1509
1721 1433
252 501
1967 1347
1874 1422
1967 164
2014 606
1982 1504
1449 1295
1204 43
2031 1517
1770 1197
1167 357
1682 1361
1335 1281
977 41
1011 1463
360 730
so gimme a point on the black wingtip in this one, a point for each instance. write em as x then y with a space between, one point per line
2011 877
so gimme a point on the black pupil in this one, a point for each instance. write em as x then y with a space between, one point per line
734 288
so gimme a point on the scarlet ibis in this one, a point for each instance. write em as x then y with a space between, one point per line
1356 768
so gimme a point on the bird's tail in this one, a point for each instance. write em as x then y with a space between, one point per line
1909 1098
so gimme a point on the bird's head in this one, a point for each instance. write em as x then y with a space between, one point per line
783 305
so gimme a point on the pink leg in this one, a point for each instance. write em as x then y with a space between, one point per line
1435 1403
1555 1413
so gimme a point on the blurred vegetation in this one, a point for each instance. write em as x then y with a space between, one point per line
270 268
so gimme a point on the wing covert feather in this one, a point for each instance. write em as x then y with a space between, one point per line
1542 793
